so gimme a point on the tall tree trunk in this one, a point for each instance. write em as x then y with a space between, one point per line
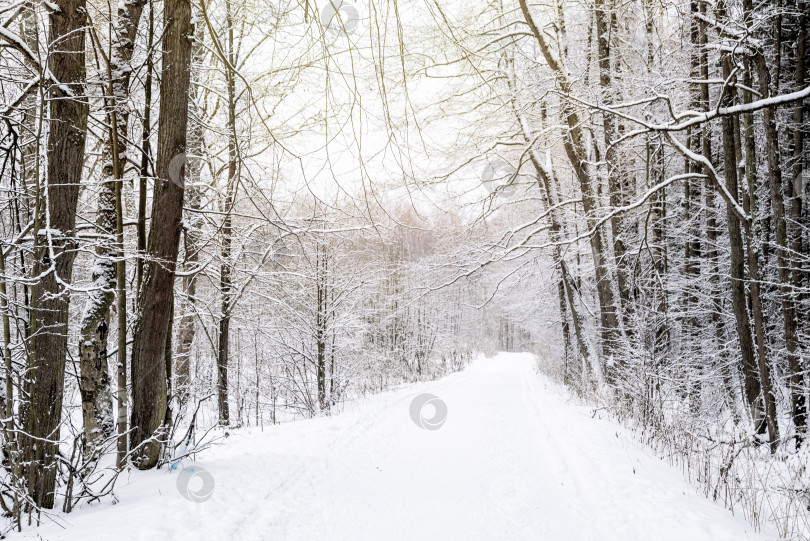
320 324
799 185
798 404
9 437
752 383
658 205
95 378
121 364
658 216
222 352
146 152
149 386
193 229
712 229
692 200
566 330
225 284
614 170
54 253
753 251
146 130
690 368
167 358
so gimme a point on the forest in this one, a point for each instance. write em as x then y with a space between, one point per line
224 215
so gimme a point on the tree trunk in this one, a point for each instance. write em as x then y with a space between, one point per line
712 228
566 330
692 201
54 251
146 134
95 379
320 324
222 368
167 357
799 185
149 386
193 230
225 284
13 466
798 405
751 379
615 172
752 248
658 209
146 130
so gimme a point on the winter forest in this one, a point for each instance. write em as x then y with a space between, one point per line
237 238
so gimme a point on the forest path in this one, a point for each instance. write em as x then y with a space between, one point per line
515 459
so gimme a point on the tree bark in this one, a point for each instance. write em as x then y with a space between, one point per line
149 386
615 172
752 248
194 222
752 384
658 208
54 253
95 379
146 154
712 228
799 185
225 284
798 404
692 197
321 293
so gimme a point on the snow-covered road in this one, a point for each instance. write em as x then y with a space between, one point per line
515 459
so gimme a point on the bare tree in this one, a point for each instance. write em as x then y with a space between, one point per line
156 296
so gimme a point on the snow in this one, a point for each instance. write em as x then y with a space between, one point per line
516 458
